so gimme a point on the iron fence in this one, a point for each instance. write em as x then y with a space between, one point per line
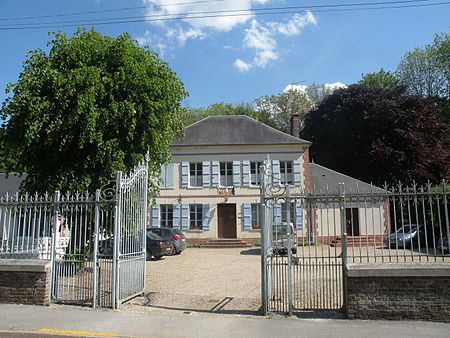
303 259
96 242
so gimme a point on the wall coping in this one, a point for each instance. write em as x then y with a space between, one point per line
398 270
24 265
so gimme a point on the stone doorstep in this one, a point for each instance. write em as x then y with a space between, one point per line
398 270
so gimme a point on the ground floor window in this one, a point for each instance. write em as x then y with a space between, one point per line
196 216
256 224
166 215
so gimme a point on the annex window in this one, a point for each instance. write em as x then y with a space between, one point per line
286 174
256 224
196 216
284 213
166 215
255 173
226 174
196 174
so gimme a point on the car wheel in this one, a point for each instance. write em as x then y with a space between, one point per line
174 251
148 255
178 252
158 257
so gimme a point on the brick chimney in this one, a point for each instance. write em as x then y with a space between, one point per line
295 125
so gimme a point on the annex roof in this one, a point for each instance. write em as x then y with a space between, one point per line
10 183
324 179
234 130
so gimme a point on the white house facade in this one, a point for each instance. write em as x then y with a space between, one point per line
211 188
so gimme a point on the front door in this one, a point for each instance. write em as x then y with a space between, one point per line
226 214
352 221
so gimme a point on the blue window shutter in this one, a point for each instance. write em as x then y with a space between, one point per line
177 216
297 173
184 174
155 216
185 216
276 172
215 173
246 216
277 213
206 217
206 169
236 174
299 215
245 173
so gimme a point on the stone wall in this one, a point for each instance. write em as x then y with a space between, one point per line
398 292
25 281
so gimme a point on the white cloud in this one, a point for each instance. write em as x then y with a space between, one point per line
294 25
153 41
242 66
187 9
262 37
331 87
295 86
182 35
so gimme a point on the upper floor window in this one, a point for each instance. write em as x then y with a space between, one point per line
166 215
286 174
256 224
166 177
255 173
196 216
196 174
226 174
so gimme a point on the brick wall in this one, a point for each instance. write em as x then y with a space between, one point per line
25 282
400 295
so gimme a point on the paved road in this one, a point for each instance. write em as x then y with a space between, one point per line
39 321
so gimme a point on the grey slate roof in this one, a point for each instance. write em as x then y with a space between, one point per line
234 130
10 184
322 177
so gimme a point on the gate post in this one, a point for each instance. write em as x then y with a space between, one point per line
54 286
343 242
95 258
115 270
289 249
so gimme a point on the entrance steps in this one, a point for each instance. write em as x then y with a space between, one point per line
358 241
225 243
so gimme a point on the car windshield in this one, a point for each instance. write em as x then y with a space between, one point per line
153 236
408 228
279 229
160 232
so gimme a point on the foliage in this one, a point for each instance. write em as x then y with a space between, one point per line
380 79
90 106
426 71
281 107
196 114
378 135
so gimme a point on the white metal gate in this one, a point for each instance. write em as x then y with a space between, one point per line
102 260
297 274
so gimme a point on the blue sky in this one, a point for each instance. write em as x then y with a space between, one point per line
238 58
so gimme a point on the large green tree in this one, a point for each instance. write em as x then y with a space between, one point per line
379 135
382 79
195 114
89 106
426 71
281 107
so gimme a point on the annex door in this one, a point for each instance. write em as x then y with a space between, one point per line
226 220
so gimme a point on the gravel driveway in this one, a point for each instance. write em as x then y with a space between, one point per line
203 280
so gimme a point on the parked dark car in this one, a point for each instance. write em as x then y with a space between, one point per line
280 239
442 246
411 235
156 246
177 236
